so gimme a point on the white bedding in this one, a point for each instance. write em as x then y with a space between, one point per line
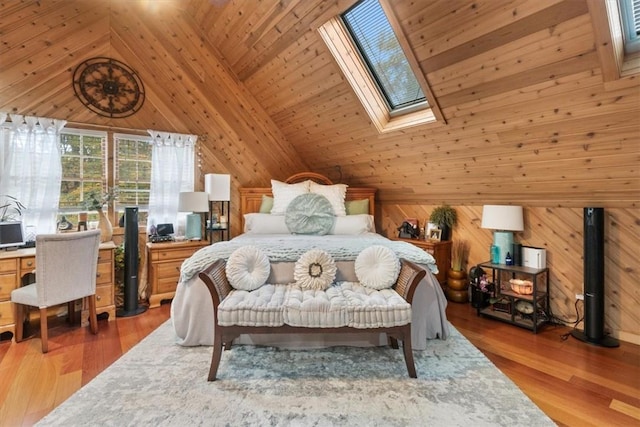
192 309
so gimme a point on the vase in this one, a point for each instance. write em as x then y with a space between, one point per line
106 230
457 286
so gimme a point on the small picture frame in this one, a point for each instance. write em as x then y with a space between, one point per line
435 234
430 226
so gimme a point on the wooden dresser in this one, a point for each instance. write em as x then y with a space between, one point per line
441 251
164 260
16 268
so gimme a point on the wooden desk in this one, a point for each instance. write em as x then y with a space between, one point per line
164 261
16 267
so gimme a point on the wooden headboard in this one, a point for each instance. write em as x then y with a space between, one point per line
251 197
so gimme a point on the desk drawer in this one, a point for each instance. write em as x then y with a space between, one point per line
6 313
167 284
7 284
104 274
8 265
105 255
27 264
104 296
167 255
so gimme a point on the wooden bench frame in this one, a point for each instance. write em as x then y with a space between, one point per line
216 280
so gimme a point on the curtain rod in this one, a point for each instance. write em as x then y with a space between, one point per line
107 127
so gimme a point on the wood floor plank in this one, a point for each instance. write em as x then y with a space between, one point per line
574 383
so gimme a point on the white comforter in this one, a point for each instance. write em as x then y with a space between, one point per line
192 309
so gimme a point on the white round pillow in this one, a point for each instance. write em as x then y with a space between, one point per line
315 270
377 267
247 268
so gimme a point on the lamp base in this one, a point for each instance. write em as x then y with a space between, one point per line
503 240
194 227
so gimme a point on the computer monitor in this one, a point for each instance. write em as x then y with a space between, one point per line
11 234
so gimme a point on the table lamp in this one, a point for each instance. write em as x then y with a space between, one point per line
218 188
195 202
504 219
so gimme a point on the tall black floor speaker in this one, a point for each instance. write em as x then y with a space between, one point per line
594 281
130 307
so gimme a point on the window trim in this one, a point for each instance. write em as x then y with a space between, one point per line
340 44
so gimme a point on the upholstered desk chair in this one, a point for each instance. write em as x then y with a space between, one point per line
66 267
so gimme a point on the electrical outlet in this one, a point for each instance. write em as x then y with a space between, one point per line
580 297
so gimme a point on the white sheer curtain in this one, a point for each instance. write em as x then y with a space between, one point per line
172 171
31 167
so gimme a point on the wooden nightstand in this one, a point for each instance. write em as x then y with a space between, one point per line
441 251
165 260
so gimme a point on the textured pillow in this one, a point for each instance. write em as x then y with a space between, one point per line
261 223
353 224
247 268
357 207
315 270
377 267
309 214
266 205
284 193
335 193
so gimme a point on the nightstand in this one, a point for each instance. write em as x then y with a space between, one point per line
165 260
441 251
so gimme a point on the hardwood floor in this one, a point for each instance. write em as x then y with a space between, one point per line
576 384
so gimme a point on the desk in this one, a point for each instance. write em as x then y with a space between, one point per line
15 267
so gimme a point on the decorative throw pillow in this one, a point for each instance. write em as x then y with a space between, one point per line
335 193
377 267
315 270
266 205
261 223
309 214
357 207
284 193
247 268
353 224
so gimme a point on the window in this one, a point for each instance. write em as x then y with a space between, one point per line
132 174
85 166
386 62
378 64
630 14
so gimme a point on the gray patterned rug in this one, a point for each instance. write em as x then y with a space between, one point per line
160 383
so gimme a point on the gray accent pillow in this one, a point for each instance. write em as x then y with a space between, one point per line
309 213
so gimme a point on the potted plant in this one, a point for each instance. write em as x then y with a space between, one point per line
10 208
457 286
444 217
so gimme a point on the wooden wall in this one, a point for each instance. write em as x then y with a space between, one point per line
529 119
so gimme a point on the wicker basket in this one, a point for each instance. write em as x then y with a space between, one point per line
524 287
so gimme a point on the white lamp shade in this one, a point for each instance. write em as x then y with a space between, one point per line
502 217
218 187
193 201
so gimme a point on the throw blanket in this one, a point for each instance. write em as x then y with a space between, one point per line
290 247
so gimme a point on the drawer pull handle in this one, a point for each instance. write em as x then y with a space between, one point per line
97 274
30 263
178 269
98 298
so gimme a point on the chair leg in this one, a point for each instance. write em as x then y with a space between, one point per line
44 332
19 322
217 355
93 317
408 354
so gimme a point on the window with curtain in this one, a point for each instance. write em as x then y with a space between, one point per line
132 173
378 45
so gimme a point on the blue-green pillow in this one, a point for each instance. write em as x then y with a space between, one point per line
357 207
266 205
309 213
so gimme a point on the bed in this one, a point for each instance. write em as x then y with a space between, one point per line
266 227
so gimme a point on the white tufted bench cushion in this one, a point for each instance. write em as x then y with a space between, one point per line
261 307
312 308
370 308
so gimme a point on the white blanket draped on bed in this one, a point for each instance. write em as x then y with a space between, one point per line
192 309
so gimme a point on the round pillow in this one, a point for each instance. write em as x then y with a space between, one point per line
315 270
310 214
247 268
377 267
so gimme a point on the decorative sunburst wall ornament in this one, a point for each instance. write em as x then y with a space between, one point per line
108 87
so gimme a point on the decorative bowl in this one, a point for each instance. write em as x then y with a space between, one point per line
524 287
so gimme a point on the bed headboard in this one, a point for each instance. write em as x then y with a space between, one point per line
251 197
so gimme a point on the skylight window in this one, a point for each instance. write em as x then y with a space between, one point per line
381 51
630 11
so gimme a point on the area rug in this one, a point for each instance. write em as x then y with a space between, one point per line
160 383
